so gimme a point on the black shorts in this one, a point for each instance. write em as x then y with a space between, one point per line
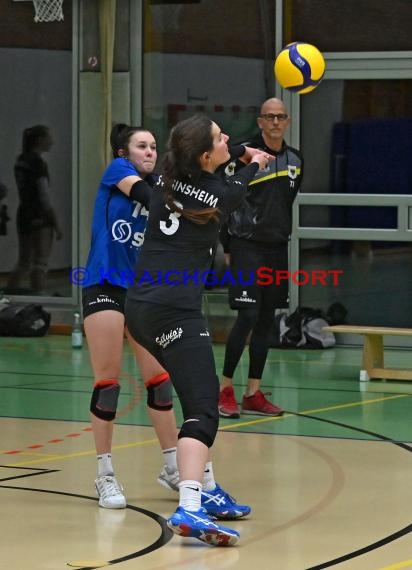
251 264
160 328
103 297
180 341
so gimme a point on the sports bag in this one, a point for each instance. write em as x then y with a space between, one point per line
302 329
23 320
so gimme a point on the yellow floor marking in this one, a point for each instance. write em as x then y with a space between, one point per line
32 454
314 411
353 404
226 427
404 564
80 453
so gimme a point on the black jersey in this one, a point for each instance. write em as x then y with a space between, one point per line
265 216
176 252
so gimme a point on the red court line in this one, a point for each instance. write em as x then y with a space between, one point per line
39 445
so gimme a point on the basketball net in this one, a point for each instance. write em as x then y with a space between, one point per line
48 10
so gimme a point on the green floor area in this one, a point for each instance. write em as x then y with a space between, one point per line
45 378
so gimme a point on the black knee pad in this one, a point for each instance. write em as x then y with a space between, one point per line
104 399
159 392
202 427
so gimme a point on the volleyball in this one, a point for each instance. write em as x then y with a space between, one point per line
299 67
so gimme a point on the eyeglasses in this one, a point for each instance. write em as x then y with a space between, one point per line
271 116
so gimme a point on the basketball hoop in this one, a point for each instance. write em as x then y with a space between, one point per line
48 10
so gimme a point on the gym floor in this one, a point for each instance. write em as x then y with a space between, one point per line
329 482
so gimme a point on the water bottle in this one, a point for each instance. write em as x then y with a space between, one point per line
77 333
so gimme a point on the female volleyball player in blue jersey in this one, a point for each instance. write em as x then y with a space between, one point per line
119 223
186 209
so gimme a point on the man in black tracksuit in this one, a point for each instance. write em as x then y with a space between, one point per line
257 236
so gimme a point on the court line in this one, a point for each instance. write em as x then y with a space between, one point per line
226 427
46 456
330 563
83 453
404 564
165 535
314 411
365 550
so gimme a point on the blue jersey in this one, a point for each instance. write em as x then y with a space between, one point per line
118 229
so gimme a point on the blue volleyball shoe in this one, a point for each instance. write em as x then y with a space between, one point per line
197 524
220 505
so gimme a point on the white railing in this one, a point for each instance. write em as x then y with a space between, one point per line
402 232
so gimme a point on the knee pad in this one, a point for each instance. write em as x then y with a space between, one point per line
104 399
202 427
159 392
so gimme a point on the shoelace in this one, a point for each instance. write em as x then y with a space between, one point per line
221 498
202 517
262 395
226 496
111 487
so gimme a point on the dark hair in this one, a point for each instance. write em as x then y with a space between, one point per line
188 140
31 136
120 137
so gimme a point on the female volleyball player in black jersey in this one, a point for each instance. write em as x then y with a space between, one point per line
163 307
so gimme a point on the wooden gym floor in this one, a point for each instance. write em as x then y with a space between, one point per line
329 483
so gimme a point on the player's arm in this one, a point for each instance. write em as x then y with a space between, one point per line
136 189
246 153
236 151
238 183
250 153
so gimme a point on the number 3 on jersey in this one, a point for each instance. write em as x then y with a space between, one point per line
171 225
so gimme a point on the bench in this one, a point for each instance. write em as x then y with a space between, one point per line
372 358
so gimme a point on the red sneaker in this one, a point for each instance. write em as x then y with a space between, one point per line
228 407
258 405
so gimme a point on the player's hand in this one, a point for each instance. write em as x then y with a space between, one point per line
262 159
252 152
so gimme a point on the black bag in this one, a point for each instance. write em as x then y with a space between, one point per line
24 320
336 314
302 329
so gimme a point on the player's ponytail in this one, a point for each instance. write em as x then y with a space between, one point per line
117 134
188 140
